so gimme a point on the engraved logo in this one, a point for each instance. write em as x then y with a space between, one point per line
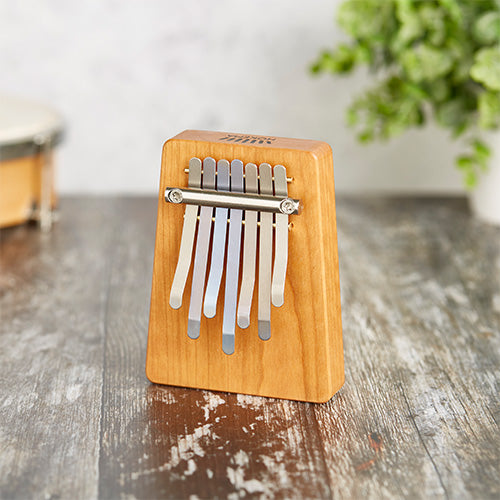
247 139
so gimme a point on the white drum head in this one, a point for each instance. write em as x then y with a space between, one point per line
24 124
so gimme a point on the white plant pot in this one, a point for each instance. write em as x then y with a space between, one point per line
485 198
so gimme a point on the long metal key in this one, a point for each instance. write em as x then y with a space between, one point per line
265 256
249 250
201 255
187 239
233 263
218 244
281 241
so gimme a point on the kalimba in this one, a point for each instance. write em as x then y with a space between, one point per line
245 294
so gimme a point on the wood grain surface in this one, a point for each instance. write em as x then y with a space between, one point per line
303 359
417 417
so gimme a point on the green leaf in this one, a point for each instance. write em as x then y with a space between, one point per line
481 153
351 117
366 19
432 19
426 63
464 162
489 110
453 9
410 26
438 90
475 163
458 130
340 61
415 91
322 63
451 113
470 179
486 68
366 136
487 28
362 54
467 165
481 150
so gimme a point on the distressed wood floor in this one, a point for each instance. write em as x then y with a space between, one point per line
417 417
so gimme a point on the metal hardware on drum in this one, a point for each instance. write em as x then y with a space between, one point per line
45 216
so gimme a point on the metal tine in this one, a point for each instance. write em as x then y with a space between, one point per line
218 245
265 256
288 179
249 250
290 225
233 263
201 255
187 239
281 241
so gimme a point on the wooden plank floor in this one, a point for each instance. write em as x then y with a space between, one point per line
417 417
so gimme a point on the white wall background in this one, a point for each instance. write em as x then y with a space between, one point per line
128 74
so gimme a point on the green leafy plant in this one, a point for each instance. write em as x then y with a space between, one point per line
436 58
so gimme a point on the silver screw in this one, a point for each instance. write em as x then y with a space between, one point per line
175 196
287 206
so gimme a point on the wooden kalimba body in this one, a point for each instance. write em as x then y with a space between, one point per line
245 294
